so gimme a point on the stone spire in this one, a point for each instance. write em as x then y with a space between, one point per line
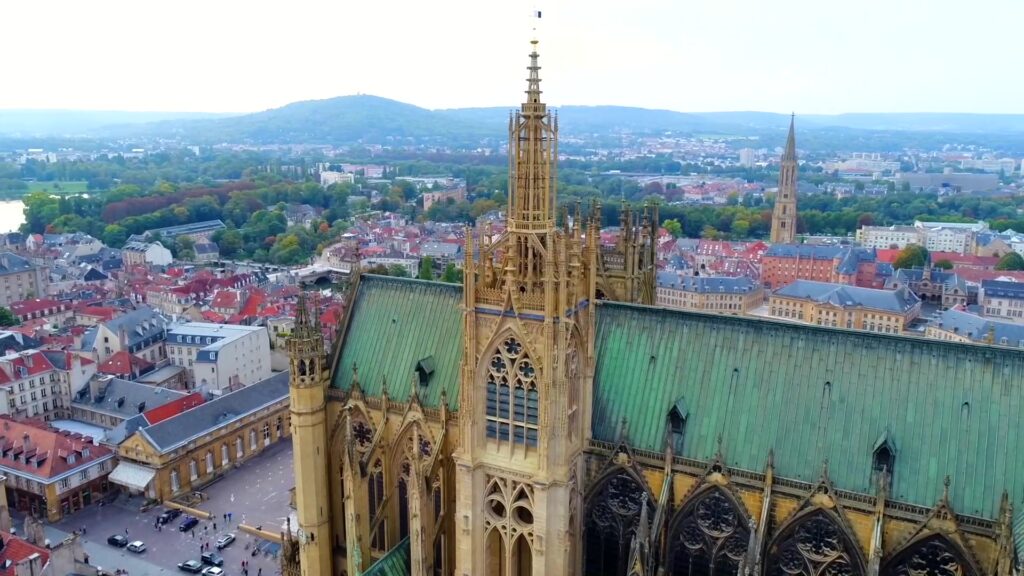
784 214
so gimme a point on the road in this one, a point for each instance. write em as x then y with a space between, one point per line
255 493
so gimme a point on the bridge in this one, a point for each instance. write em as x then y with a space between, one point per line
319 274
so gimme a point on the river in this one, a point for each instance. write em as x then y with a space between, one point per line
12 215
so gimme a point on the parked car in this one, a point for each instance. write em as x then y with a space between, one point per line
193 566
118 540
137 546
213 571
188 523
212 558
168 515
225 541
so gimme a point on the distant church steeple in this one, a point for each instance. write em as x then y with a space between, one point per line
784 215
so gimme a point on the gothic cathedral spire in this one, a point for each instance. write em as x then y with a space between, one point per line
784 214
307 394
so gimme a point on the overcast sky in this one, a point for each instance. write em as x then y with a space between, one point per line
808 56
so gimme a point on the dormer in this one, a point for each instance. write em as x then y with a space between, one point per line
424 369
883 456
676 421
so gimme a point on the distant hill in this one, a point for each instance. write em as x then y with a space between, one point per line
375 120
82 122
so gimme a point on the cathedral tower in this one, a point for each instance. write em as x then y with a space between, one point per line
527 334
309 380
784 215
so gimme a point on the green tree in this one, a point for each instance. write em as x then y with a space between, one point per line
452 275
426 268
674 227
398 271
913 256
1011 261
7 318
115 236
943 264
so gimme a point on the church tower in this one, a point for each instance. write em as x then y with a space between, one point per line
528 321
784 215
308 386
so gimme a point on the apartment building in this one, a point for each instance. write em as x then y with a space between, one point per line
1002 299
51 473
715 294
38 384
220 357
19 279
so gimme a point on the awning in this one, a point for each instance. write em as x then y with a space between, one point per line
132 476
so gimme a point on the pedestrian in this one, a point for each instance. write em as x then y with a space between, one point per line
201 548
225 516
125 531
259 572
215 525
193 533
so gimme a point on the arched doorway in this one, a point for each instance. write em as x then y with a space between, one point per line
935 555
613 513
709 536
814 544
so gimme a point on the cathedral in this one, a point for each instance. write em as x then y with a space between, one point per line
544 419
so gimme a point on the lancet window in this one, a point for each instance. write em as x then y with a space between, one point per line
814 546
932 556
375 494
613 515
512 395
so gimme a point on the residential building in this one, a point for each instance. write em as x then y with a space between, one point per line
50 473
191 449
1002 299
955 325
453 194
748 157
206 251
57 312
952 182
785 212
329 177
140 332
146 254
442 252
884 237
220 357
19 279
35 384
717 294
841 306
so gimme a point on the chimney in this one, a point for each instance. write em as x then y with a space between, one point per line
27 440
122 336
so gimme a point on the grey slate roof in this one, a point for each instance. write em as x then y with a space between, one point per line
978 329
897 301
124 398
11 263
175 431
908 276
142 327
1003 289
808 251
706 284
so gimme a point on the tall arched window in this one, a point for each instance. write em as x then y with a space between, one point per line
613 515
375 495
709 537
934 555
512 395
813 545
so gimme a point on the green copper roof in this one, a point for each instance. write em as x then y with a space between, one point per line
396 326
394 563
814 393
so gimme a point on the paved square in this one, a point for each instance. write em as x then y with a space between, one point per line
256 493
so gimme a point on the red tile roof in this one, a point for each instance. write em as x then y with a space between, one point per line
225 299
48 450
17 550
35 305
124 364
173 408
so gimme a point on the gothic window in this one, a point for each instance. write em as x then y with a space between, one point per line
572 377
709 537
512 395
362 434
375 495
613 515
931 556
815 545
403 507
